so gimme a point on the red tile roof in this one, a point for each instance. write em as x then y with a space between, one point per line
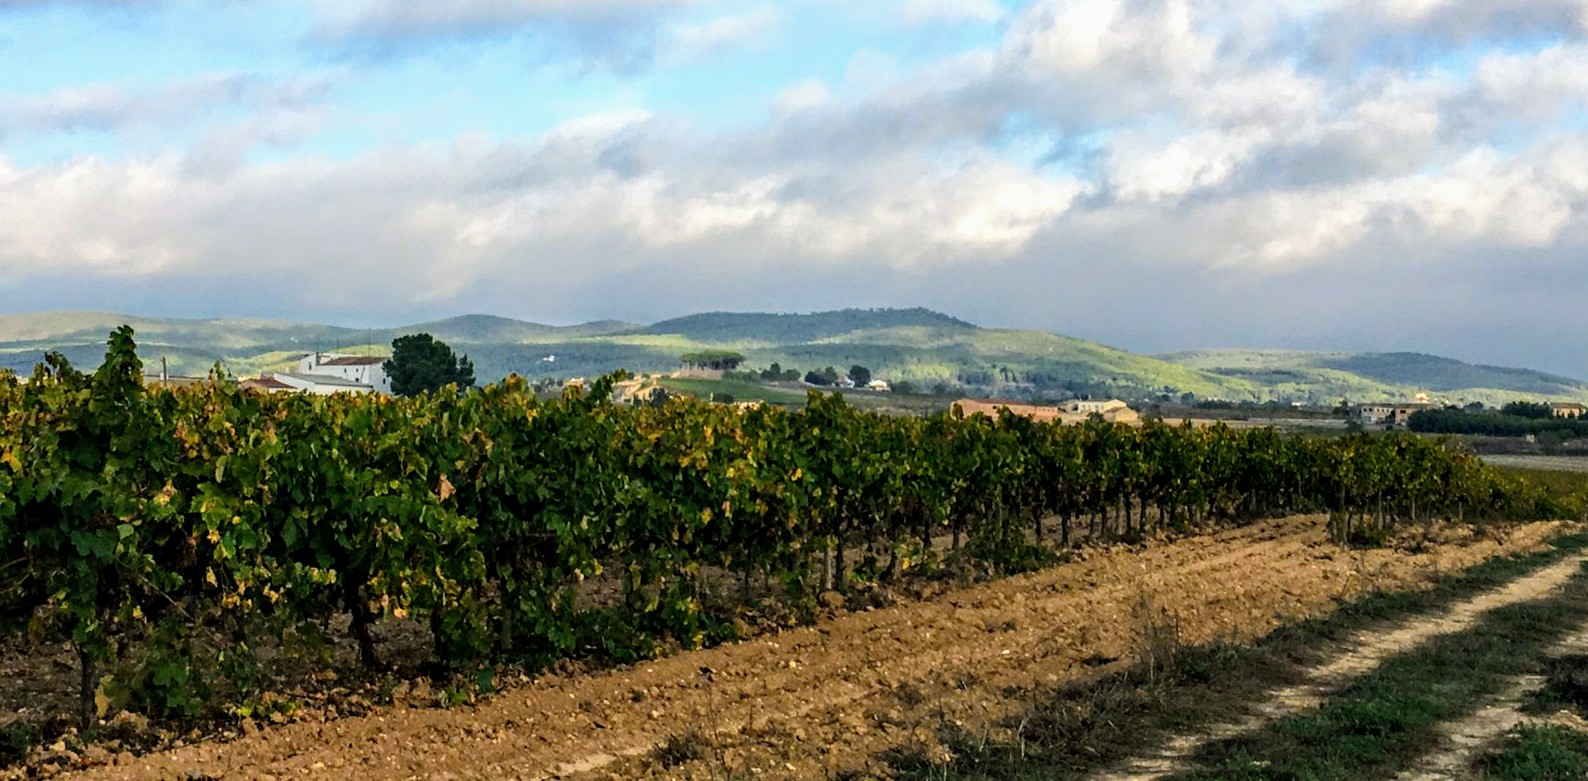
265 384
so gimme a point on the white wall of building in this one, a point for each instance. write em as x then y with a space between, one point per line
309 386
1088 406
366 371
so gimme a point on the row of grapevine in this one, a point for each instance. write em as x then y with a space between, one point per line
144 522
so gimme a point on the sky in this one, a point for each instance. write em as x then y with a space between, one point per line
1155 174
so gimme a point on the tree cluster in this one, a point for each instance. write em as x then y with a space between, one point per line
826 377
776 373
422 364
1492 424
713 360
829 376
1528 409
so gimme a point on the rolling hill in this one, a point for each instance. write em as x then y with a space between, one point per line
918 346
1369 376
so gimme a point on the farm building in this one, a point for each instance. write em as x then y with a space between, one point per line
1570 409
1089 407
1113 411
324 374
267 384
1391 413
318 384
367 370
630 390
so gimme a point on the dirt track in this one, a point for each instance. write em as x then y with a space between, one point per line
1360 657
811 702
1464 740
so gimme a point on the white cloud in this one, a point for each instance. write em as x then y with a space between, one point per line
1482 200
1536 86
691 41
438 220
117 109
804 96
93 216
1150 169
1139 41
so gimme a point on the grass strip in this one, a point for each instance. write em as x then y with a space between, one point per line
1080 728
1387 719
1537 753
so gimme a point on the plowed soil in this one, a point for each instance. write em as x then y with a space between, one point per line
827 699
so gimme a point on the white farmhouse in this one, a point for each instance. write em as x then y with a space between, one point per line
324 374
363 370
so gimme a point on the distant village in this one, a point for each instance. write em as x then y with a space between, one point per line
328 373
1398 413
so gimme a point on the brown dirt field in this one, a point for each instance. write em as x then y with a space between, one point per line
821 700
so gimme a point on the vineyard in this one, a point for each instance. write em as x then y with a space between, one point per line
173 534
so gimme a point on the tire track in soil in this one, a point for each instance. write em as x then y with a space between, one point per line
1463 741
814 700
1360 656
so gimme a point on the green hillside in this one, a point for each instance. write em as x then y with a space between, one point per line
1369 376
1443 374
917 346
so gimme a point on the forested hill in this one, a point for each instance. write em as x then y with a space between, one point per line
925 348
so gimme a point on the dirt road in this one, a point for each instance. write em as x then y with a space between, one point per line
816 701
1465 740
1358 658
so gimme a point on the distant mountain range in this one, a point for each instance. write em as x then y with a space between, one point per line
918 346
